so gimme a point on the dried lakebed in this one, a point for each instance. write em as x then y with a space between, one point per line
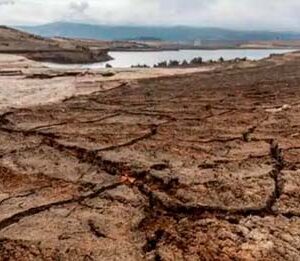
203 166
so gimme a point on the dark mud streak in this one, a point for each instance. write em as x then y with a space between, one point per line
42 76
11 72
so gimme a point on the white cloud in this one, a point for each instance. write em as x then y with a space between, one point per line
6 2
79 7
237 14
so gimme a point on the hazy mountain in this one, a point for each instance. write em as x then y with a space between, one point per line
178 33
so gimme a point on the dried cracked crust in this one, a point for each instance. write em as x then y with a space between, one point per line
195 167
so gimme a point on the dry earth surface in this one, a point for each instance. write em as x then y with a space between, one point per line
202 166
25 83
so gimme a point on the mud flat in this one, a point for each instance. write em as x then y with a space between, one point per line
201 166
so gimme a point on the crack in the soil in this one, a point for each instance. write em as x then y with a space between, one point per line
159 115
118 168
52 136
278 165
152 242
121 85
73 122
3 120
95 230
36 210
246 134
210 116
26 194
292 148
87 156
153 131
28 132
19 150
178 209
217 139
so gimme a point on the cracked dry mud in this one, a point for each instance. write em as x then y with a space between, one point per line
193 167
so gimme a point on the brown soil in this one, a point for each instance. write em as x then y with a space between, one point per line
49 50
193 167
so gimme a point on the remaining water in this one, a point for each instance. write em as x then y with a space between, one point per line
127 59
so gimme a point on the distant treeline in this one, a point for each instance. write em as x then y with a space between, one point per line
195 62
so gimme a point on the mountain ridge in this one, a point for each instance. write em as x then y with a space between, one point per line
166 33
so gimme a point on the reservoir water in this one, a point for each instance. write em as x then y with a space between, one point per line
127 59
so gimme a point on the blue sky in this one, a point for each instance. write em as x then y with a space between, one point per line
235 14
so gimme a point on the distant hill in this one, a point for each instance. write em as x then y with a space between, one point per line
12 40
38 48
178 33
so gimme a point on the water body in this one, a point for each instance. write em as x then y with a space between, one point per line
127 59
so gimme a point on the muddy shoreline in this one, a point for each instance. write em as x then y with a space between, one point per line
197 166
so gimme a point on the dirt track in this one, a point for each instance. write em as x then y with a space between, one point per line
194 167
